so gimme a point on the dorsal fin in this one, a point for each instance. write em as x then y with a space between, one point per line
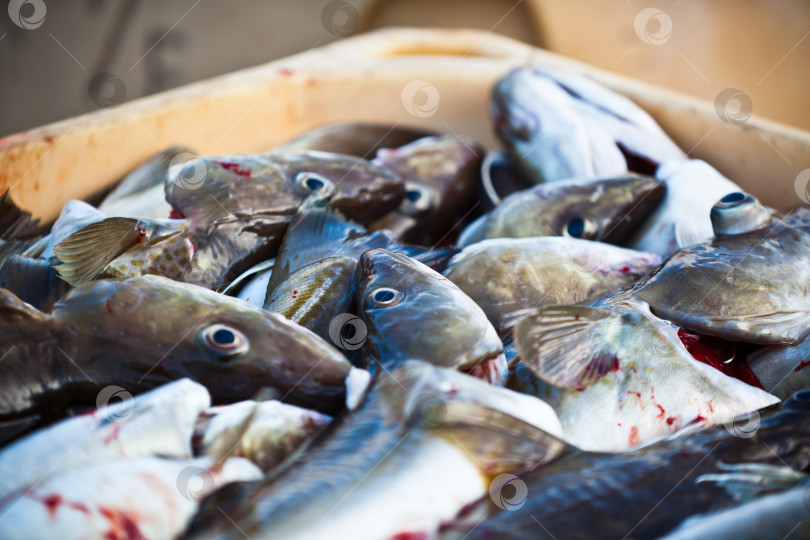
12 308
15 223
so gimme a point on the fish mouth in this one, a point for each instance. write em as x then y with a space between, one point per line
646 200
493 370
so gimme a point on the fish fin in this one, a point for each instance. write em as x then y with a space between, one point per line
11 307
564 345
85 253
746 481
33 280
497 441
687 234
358 382
15 223
261 267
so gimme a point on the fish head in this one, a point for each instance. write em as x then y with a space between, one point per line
607 210
360 190
512 107
415 312
163 330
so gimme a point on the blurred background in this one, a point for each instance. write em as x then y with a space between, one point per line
57 58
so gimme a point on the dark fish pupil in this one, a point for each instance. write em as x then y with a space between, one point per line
576 227
413 195
384 296
733 197
223 336
314 184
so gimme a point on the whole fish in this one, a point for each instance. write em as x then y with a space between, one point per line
140 194
748 284
142 497
229 212
440 175
157 423
142 332
645 493
353 138
412 311
682 219
274 431
508 275
558 125
424 443
625 376
606 209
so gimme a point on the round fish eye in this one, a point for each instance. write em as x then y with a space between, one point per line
418 199
307 182
733 198
385 297
738 213
224 341
580 228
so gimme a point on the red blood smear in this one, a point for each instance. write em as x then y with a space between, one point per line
234 168
109 309
663 412
122 527
54 500
803 364
710 351
633 440
409 535
670 420
176 214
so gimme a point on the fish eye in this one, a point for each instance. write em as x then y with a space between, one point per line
418 199
385 297
521 123
307 182
580 228
733 198
224 341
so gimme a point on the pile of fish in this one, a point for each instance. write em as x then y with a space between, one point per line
380 332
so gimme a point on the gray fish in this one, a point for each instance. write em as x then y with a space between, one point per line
440 175
424 443
606 209
142 332
412 311
509 275
748 284
782 369
558 125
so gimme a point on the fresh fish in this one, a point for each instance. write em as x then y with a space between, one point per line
558 125
682 219
607 210
509 275
782 369
157 423
143 332
626 375
140 194
412 311
640 494
777 517
440 175
748 284
274 431
228 214
353 138
424 443
142 497
313 277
